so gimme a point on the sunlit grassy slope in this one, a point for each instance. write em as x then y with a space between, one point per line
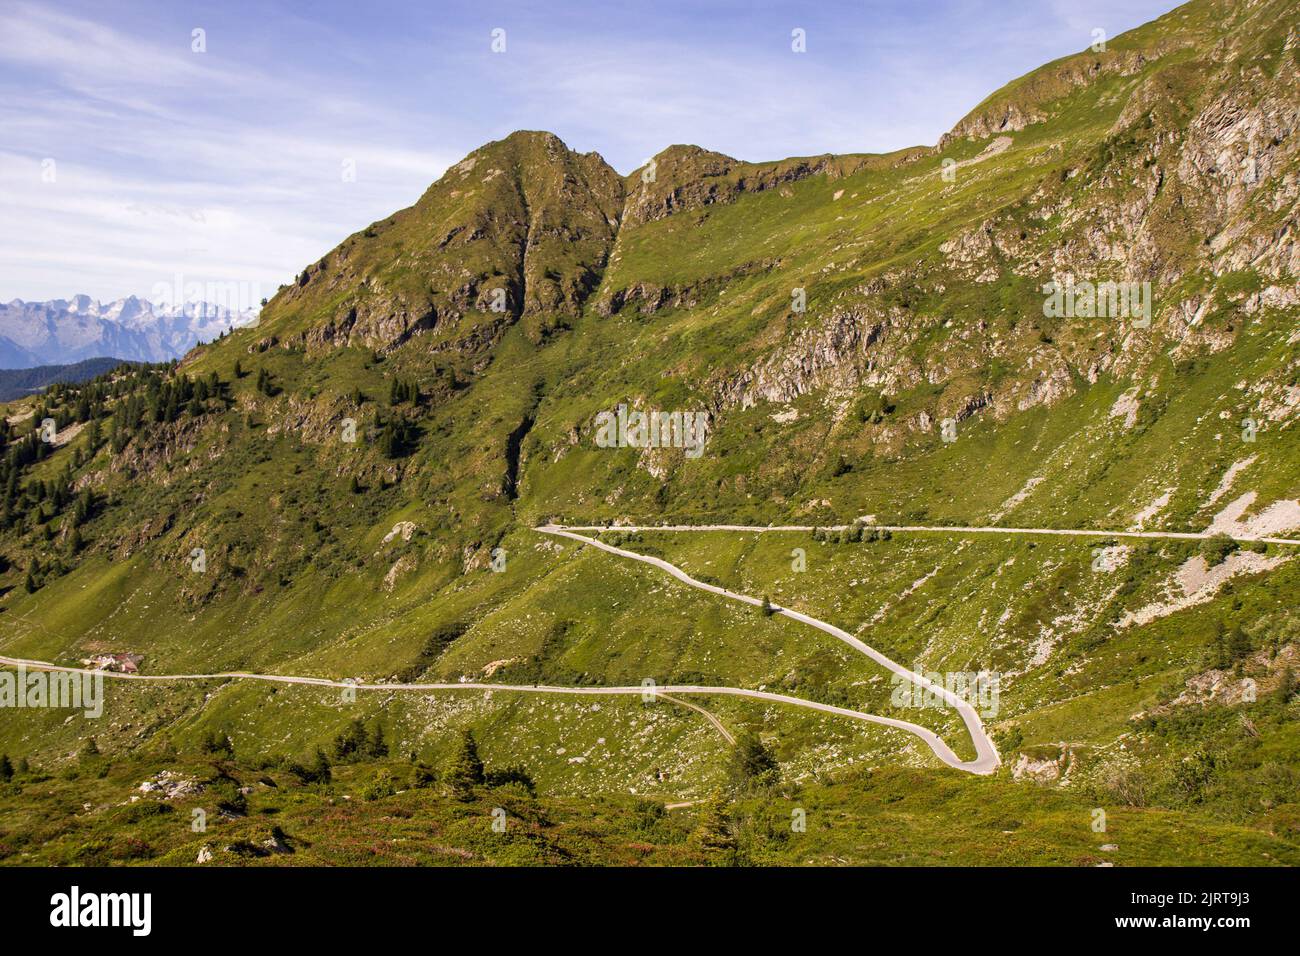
373 558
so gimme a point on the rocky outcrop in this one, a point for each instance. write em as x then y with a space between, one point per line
683 178
835 355
1028 100
649 298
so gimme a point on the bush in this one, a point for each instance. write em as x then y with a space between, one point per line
512 776
378 788
1216 549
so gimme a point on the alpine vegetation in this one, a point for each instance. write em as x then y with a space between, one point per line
597 515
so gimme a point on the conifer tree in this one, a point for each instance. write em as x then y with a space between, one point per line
464 770
713 833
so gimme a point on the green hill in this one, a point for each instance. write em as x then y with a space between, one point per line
19 382
348 490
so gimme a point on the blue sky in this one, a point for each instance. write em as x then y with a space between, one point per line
127 158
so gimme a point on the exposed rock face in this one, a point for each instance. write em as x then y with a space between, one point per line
528 227
680 177
1003 118
648 298
1039 771
1196 583
1223 167
835 355
403 529
1262 672
401 566
168 785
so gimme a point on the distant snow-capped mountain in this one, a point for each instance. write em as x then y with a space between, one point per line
64 331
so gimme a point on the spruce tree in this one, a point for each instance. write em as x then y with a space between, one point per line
1285 688
1238 644
320 769
752 764
464 770
713 833
378 746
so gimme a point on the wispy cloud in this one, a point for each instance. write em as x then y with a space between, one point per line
227 165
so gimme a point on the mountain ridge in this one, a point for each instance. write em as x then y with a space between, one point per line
67 331
870 344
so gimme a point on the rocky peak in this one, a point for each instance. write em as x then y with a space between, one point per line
520 229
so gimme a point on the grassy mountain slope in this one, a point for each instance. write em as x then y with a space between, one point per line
351 467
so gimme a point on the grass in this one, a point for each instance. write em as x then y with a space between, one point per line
816 417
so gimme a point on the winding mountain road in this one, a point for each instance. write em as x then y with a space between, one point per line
941 749
986 756
939 529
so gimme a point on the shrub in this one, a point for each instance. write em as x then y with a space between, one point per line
1216 549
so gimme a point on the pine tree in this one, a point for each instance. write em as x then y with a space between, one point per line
1238 644
320 768
464 770
6 769
1285 688
713 833
353 743
752 764
768 610
378 746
